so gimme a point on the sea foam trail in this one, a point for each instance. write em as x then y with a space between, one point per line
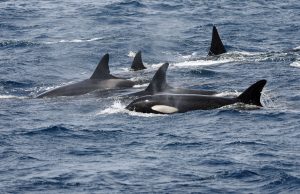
74 41
11 97
201 63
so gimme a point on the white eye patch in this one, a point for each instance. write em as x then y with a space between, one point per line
164 109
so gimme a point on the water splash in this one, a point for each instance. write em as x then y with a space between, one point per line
131 54
118 107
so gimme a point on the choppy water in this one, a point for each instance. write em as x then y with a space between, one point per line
90 144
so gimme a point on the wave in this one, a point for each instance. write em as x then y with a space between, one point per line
246 143
240 174
283 183
15 84
177 145
52 130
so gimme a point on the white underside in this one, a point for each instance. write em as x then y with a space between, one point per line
164 109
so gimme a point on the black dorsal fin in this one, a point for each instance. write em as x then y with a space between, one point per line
216 47
102 70
253 93
137 63
159 82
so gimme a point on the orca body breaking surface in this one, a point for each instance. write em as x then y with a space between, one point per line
159 85
100 80
179 103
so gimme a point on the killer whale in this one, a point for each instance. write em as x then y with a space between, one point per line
179 103
101 79
159 84
216 47
137 63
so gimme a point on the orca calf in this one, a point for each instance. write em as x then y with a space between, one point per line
159 84
216 47
137 63
179 103
100 80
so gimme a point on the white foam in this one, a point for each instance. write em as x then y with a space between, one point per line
266 100
189 56
131 54
118 107
295 64
201 63
74 41
297 48
244 53
10 96
157 65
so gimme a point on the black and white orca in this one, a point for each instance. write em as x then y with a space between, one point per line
180 103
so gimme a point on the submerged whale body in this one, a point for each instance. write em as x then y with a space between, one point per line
159 85
100 80
179 103
216 47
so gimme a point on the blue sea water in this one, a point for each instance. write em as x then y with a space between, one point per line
91 144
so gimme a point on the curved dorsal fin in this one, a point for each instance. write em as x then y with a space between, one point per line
159 82
253 93
102 70
137 63
216 47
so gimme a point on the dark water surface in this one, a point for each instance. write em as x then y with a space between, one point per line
90 144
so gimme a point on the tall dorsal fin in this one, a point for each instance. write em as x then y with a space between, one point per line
216 47
137 63
253 93
102 70
159 82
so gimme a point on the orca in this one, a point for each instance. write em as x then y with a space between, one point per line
137 63
216 47
101 79
159 84
180 103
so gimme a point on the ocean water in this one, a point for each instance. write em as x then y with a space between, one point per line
91 144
